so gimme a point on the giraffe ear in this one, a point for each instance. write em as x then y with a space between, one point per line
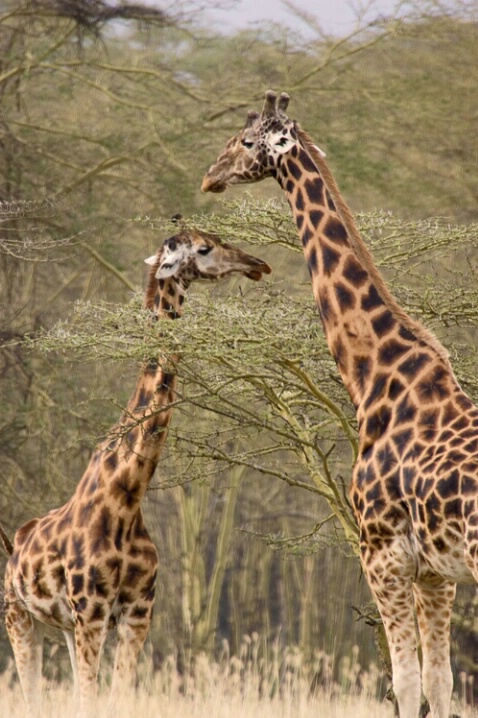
151 260
321 152
167 269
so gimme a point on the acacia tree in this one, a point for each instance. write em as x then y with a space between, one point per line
261 404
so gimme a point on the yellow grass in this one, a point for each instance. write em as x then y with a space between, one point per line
58 702
243 687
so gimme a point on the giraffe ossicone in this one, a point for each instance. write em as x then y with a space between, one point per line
90 565
414 487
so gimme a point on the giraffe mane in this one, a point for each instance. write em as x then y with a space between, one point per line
152 287
363 252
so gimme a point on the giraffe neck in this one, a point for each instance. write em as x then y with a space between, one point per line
123 465
368 333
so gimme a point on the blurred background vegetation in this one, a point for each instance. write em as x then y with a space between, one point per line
110 115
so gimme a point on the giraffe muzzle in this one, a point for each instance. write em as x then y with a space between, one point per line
213 184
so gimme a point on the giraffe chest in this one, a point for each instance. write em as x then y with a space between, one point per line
43 591
96 574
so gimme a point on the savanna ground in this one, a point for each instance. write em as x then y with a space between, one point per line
279 686
231 688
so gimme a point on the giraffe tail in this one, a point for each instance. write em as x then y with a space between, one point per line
7 544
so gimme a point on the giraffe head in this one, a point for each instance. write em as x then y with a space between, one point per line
254 153
191 255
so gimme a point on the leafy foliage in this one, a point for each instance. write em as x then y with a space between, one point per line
259 360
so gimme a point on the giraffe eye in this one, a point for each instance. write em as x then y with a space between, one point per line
248 145
204 250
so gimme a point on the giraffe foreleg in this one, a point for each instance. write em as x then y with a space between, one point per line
26 638
70 643
390 576
132 633
89 641
399 623
434 605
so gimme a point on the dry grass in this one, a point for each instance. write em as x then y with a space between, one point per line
58 703
233 687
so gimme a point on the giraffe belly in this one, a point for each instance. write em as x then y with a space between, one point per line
51 608
443 555
397 544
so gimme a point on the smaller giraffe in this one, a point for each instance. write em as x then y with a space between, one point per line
90 565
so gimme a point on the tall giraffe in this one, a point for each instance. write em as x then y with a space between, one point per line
415 483
90 565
